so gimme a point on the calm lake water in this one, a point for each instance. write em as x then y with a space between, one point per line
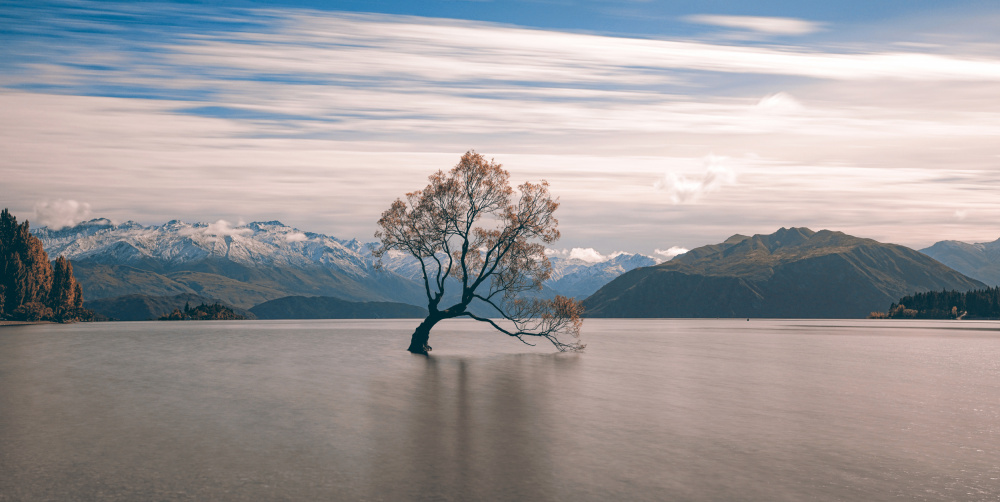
653 410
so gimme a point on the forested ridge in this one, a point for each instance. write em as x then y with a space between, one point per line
31 287
977 304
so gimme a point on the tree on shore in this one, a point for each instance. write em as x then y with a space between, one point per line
66 293
24 266
493 265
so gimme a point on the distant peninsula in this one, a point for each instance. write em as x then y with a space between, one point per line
977 304
203 312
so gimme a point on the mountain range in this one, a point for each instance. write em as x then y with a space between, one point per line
792 273
579 279
243 266
247 265
979 260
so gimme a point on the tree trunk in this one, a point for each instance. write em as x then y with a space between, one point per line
418 342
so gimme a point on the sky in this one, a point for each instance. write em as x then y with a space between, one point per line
661 126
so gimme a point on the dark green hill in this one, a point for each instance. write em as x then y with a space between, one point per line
146 307
325 307
792 273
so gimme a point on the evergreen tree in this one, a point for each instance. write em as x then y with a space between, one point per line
10 263
976 304
65 294
37 270
27 273
77 295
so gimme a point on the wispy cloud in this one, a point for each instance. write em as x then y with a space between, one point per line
589 255
683 189
671 252
779 103
767 25
223 228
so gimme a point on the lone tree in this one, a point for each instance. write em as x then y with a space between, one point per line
492 264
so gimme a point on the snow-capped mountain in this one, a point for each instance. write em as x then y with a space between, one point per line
571 277
242 265
176 243
579 278
979 260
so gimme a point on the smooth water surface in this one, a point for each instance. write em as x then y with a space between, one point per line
653 410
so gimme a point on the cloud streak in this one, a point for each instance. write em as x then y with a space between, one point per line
367 49
767 25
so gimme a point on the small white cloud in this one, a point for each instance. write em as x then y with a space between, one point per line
671 252
60 213
296 237
557 253
223 228
777 103
961 214
765 25
587 254
683 189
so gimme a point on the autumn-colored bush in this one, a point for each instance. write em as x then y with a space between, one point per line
34 311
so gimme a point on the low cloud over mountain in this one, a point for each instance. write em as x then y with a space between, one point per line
59 213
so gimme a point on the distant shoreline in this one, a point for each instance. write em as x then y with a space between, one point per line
23 323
